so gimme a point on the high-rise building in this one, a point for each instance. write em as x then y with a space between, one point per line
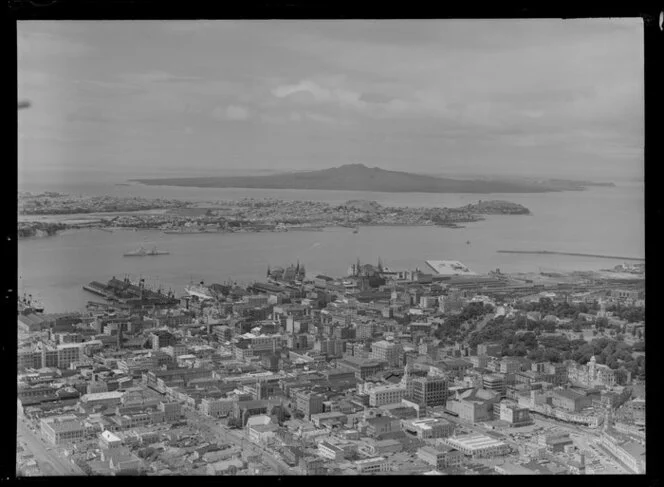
161 339
430 391
495 383
309 403
386 351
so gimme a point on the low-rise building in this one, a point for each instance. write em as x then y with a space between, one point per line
216 408
62 430
477 445
389 394
428 428
441 457
515 415
372 465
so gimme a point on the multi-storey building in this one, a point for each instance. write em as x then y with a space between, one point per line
428 428
372 465
594 374
309 403
330 347
430 391
515 415
217 408
441 457
389 394
365 330
495 383
62 430
162 338
477 445
386 351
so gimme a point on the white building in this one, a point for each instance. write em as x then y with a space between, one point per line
372 465
478 445
381 395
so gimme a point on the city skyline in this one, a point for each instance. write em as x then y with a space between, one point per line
532 98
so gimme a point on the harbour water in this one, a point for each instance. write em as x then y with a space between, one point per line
607 221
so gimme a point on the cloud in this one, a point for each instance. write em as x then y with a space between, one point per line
231 112
156 77
307 91
317 117
47 46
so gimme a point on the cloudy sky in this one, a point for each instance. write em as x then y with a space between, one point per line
523 97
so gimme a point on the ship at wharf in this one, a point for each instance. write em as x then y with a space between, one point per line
131 294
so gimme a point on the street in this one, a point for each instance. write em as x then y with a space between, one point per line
213 428
49 462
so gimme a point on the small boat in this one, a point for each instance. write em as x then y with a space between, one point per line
356 229
141 252
467 242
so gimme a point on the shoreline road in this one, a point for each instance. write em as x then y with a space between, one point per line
50 462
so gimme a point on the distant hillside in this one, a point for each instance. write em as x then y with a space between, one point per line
358 177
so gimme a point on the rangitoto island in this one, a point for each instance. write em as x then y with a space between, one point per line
36 212
358 177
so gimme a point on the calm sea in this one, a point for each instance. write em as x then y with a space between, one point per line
608 221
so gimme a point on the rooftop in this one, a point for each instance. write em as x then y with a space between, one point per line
100 396
475 441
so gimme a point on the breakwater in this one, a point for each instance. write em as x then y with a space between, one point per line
574 254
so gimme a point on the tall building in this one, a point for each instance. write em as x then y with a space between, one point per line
381 395
365 330
430 391
386 351
161 339
495 383
331 347
308 403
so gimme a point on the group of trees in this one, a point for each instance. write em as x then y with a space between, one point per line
451 329
562 310
538 347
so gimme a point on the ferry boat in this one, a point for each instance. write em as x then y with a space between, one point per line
142 252
199 290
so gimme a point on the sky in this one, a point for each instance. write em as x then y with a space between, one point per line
531 98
